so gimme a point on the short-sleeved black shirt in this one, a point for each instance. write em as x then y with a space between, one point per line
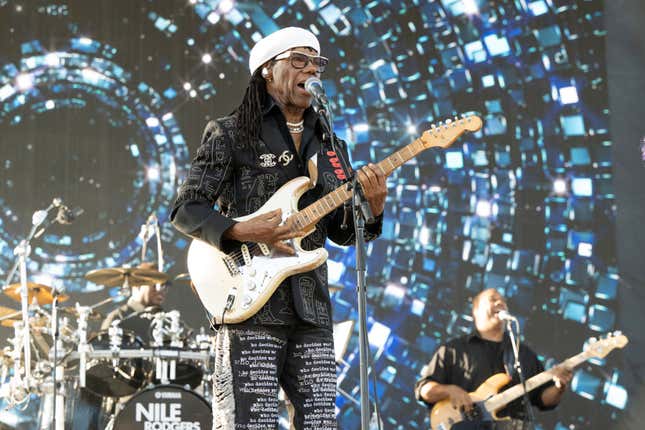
469 360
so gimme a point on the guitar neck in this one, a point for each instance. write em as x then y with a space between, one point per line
316 211
501 400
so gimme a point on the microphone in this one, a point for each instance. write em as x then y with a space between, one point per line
38 217
66 215
149 228
314 87
505 316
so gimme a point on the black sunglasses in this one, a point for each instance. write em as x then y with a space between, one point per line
300 60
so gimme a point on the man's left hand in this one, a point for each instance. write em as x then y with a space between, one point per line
374 186
562 377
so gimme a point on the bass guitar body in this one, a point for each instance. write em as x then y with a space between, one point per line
444 415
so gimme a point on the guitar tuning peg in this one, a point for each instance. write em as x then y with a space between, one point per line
593 340
448 121
617 333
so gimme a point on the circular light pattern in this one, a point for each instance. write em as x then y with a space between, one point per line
79 76
486 212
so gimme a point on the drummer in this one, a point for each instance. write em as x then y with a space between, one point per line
145 300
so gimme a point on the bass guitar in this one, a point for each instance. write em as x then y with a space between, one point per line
487 403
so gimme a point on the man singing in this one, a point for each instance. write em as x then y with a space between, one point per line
462 365
272 137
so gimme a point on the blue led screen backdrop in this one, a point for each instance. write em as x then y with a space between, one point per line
103 104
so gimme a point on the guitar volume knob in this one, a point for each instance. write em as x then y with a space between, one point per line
247 302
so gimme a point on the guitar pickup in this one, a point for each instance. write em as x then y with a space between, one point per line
231 266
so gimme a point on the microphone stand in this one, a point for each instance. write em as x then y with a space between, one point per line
518 368
58 419
22 251
360 212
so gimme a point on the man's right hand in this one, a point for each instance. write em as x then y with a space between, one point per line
459 398
264 228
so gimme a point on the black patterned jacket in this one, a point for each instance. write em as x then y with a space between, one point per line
239 180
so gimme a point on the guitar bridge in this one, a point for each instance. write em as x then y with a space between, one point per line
231 266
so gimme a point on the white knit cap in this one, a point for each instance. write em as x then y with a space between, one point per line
278 42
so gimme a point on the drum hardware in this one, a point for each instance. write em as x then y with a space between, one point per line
112 356
83 312
166 370
39 223
115 334
93 315
109 372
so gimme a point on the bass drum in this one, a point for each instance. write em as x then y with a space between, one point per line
165 407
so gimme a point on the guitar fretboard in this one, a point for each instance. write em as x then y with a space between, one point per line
316 211
501 400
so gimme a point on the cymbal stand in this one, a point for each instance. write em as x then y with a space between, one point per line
152 224
83 315
175 339
58 415
18 386
23 250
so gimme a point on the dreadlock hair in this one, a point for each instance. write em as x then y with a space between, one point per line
249 112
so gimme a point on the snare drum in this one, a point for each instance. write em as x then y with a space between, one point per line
130 374
165 407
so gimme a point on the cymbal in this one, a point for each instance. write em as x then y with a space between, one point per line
42 293
333 288
73 312
5 356
183 277
5 311
116 276
34 322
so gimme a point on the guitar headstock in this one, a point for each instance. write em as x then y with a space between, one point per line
599 348
444 134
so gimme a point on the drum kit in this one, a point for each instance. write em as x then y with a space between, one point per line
111 378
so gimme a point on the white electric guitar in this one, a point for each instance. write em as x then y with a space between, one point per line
236 285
